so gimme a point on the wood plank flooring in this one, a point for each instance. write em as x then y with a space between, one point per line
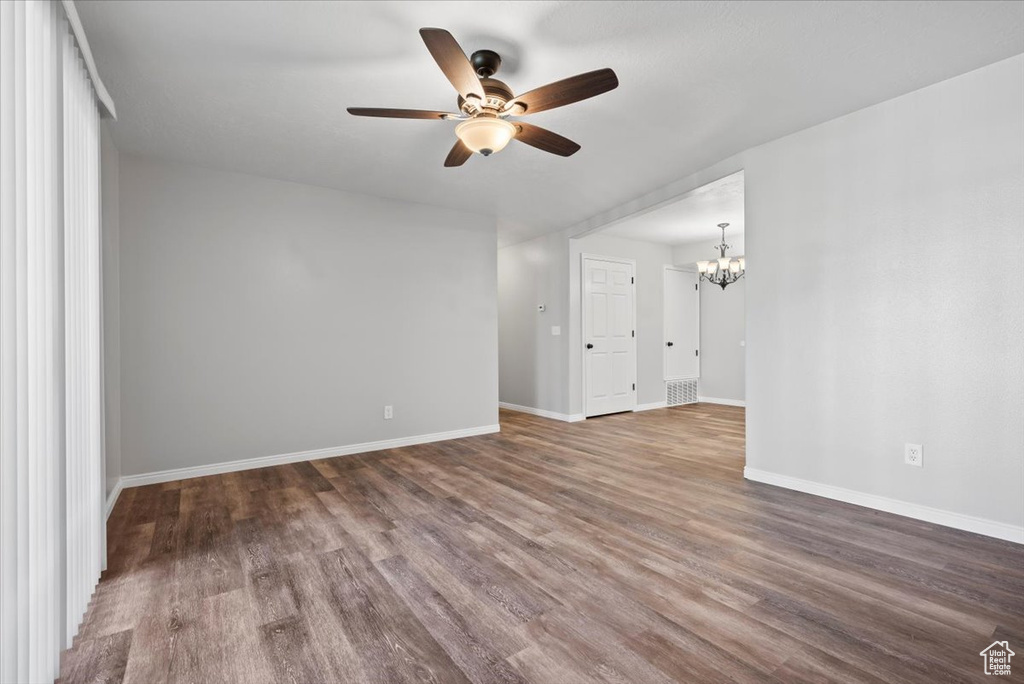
622 549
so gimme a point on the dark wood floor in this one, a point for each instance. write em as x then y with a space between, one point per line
622 549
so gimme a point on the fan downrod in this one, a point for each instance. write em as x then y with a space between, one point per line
486 62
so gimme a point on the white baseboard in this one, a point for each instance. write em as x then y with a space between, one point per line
112 498
724 402
989 528
565 417
281 459
652 405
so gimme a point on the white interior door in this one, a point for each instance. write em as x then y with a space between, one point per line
609 338
682 324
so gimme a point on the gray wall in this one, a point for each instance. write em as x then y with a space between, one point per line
722 326
109 180
886 298
261 317
651 259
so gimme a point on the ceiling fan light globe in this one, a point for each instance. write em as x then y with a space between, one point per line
485 135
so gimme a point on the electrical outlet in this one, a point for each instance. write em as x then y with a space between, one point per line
913 454
389 412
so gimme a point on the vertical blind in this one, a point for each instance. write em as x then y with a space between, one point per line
82 325
51 508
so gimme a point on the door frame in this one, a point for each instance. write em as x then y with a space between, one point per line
664 323
583 320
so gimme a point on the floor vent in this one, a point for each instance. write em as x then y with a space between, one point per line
679 392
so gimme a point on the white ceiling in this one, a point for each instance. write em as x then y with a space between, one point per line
261 87
693 217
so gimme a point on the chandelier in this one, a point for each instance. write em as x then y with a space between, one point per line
724 270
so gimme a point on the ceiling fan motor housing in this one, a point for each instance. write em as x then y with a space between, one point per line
486 63
497 94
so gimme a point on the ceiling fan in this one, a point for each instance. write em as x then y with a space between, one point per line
486 104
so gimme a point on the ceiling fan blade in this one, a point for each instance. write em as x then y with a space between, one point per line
543 139
401 113
566 91
458 155
453 62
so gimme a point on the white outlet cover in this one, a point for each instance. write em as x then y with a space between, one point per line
556 330
913 454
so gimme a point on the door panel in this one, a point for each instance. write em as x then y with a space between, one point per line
600 313
610 363
622 375
682 325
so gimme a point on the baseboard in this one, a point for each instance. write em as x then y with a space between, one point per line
723 402
281 459
565 417
652 405
112 497
984 526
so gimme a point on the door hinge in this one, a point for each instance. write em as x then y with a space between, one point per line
696 352
634 334
634 387
696 287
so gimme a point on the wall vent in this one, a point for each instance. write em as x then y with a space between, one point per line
679 392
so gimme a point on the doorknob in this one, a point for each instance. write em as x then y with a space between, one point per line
589 346
668 344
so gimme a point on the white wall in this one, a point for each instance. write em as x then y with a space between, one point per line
651 259
261 317
722 326
886 302
109 199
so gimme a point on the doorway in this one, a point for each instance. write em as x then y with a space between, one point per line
674 303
